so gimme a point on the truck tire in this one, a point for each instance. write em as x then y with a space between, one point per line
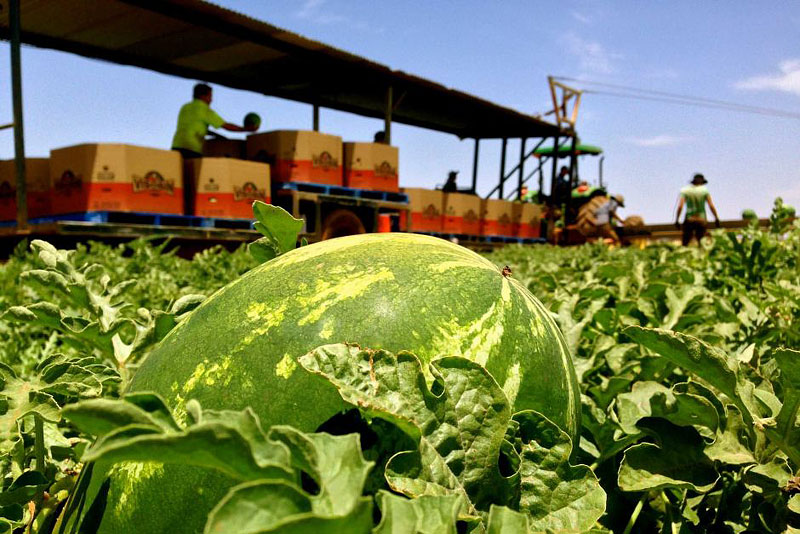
340 223
586 221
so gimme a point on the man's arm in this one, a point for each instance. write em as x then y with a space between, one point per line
235 128
215 121
617 217
680 209
713 209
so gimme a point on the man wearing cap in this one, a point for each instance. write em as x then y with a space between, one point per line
605 214
695 197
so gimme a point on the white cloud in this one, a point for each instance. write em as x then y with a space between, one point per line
583 18
786 80
317 12
659 140
313 10
592 56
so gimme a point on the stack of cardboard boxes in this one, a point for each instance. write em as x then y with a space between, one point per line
458 213
527 220
461 214
426 210
37 172
227 188
299 156
496 217
115 177
371 166
119 177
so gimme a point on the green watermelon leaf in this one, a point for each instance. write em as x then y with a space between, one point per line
555 495
140 428
464 431
230 442
335 463
503 520
427 514
262 507
279 229
678 461
23 488
709 363
651 399
459 440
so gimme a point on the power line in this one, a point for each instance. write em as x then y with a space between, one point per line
766 111
636 93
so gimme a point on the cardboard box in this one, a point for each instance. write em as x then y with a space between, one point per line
496 217
461 214
37 181
527 220
299 155
371 166
227 188
225 148
426 209
116 177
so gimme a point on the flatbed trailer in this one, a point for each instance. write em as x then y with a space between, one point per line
197 40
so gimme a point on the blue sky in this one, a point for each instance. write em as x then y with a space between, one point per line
745 52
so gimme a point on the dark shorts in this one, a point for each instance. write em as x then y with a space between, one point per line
188 154
696 229
188 179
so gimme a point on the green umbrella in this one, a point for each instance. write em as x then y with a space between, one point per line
565 150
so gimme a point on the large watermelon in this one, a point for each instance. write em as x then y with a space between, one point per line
393 291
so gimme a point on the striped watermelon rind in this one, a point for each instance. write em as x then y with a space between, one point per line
391 291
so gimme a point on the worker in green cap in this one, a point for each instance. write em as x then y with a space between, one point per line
695 197
194 120
526 195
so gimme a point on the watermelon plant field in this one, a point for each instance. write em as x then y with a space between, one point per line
658 389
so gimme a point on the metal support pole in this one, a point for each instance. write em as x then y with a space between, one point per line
16 95
475 167
600 170
541 178
387 121
316 117
573 162
521 166
502 169
573 169
553 174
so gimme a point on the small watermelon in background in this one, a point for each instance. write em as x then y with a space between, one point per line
393 291
252 120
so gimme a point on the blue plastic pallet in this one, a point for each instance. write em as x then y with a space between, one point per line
145 218
487 239
338 190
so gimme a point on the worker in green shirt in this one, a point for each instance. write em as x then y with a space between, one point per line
695 197
194 119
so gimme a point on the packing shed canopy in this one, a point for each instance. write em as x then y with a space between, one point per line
201 41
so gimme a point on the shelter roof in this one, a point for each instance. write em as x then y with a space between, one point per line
202 41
